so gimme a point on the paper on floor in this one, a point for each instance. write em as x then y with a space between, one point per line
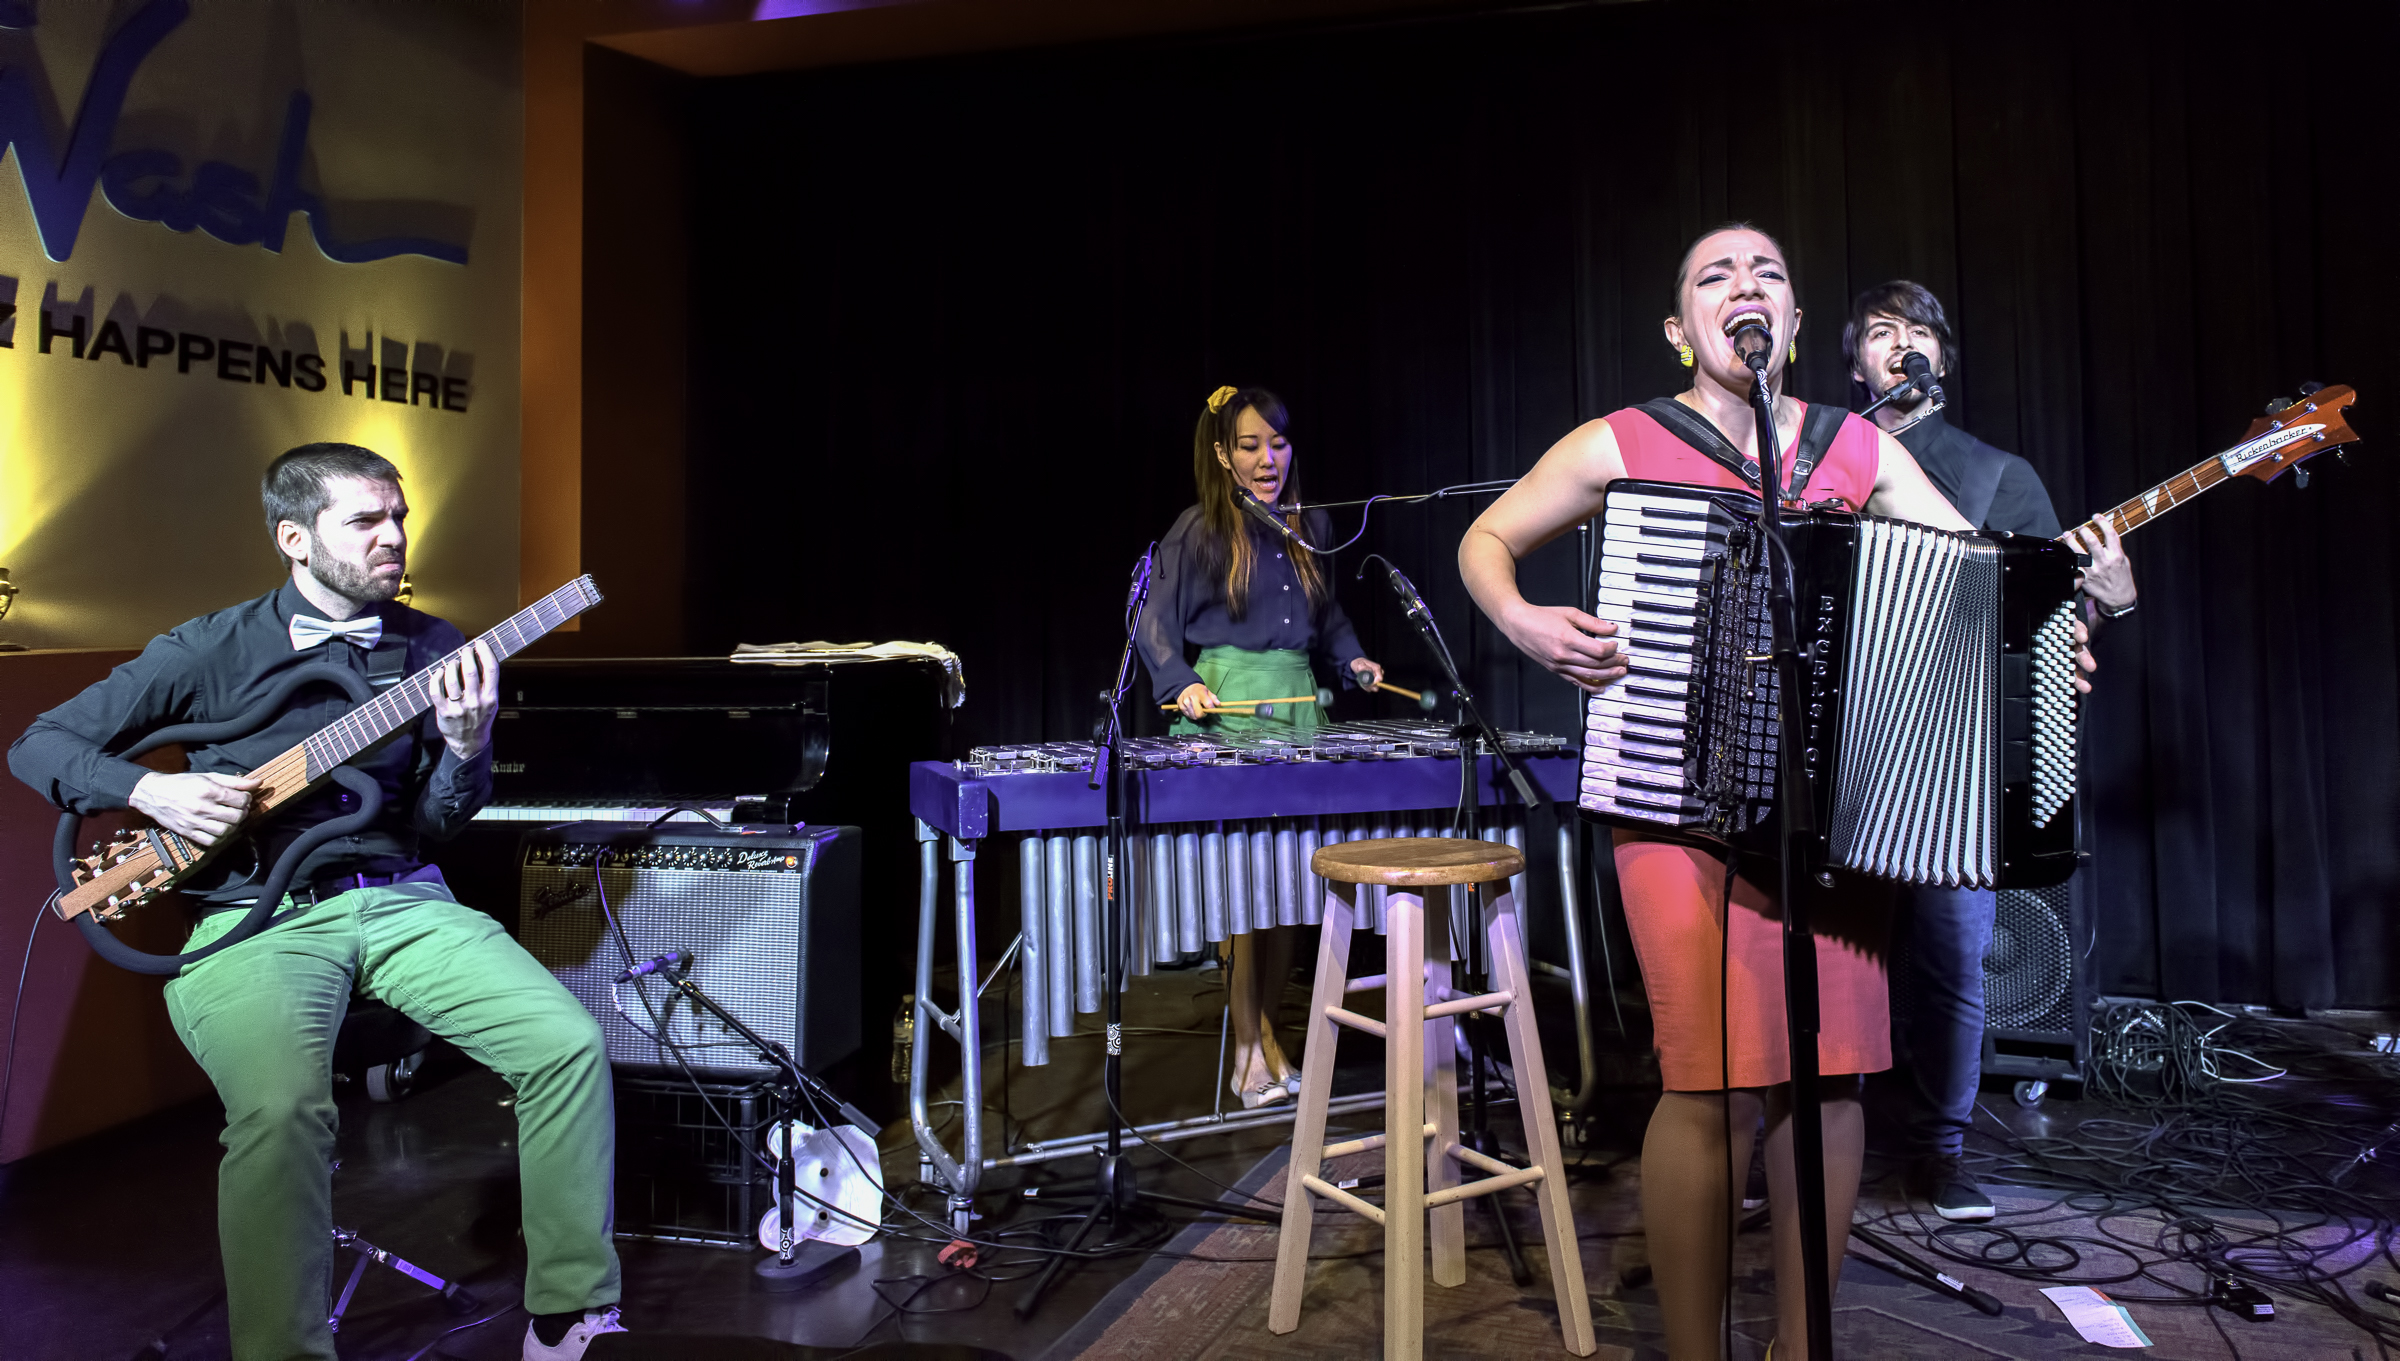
2100 1319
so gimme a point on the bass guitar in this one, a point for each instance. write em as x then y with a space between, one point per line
143 863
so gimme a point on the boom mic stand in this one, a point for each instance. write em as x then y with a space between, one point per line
1796 814
1114 1192
1470 729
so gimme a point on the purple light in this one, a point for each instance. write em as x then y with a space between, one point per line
801 9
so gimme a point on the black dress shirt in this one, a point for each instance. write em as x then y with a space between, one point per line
1187 606
1947 454
213 669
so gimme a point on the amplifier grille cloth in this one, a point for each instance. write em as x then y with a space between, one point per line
2029 974
743 931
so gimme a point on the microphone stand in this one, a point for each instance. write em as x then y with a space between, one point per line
1796 815
796 1262
1114 1191
1470 729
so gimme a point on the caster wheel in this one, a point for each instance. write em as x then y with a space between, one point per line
2031 1091
394 1081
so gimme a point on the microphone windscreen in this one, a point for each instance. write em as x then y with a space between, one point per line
1753 342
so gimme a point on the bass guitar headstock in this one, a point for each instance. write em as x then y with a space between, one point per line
2292 432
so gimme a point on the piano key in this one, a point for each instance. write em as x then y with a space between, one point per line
1620 701
585 812
1670 607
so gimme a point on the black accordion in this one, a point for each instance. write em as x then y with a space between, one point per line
1940 714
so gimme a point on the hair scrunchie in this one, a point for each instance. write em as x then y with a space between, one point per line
1218 398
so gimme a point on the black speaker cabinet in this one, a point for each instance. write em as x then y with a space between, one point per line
2037 1000
769 914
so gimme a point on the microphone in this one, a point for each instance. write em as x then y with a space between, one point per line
1754 343
1920 372
1411 604
1258 511
675 961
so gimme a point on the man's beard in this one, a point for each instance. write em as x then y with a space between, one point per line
354 582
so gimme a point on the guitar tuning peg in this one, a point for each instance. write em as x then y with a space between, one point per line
2300 478
2310 389
2280 405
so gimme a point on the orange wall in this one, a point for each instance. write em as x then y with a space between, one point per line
551 463
93 1047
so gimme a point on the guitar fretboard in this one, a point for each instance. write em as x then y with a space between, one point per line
2162 498
377 719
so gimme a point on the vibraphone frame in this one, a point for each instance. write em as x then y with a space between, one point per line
957 808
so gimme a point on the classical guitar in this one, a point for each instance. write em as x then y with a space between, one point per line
2289 435
146 862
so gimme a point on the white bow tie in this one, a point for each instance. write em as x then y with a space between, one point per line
308 631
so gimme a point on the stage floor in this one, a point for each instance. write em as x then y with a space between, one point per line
110 1243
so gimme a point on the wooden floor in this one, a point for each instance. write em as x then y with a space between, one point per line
109 1244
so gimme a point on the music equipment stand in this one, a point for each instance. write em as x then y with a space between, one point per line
1471 729
797 1262
1114 1191
1796 818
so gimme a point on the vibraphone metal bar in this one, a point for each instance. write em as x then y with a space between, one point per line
1224 836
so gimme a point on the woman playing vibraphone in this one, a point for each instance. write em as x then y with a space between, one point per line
1709 942
1257 608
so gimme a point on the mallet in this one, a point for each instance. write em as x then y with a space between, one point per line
1257 708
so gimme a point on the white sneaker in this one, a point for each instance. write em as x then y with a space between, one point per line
571 1347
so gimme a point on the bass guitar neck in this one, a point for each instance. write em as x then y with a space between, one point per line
141 864
2289 435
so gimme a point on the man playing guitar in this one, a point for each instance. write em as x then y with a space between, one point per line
365 914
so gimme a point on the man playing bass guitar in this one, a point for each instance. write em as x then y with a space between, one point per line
1949 929
365 914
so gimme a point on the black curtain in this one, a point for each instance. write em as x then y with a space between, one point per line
953 321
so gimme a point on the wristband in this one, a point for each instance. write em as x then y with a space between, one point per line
2107 613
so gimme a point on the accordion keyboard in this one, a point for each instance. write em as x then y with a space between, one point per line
1687 737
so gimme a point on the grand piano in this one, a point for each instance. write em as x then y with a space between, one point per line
627 738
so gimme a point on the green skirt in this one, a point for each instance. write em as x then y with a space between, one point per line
1234 673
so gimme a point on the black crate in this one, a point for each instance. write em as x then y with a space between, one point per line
682 1176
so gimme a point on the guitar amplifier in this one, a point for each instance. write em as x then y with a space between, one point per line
769 914
2037 1000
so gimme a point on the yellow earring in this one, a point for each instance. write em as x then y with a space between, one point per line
1684 353
1795 351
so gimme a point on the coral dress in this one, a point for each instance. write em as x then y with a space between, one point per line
1675 891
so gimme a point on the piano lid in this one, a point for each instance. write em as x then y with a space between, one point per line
633 730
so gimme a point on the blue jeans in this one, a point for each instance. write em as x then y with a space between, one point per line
1948 931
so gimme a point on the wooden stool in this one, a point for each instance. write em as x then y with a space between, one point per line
1419 1070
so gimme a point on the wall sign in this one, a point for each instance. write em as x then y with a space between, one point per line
226 201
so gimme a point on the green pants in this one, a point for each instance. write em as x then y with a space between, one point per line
261 1018
1233 674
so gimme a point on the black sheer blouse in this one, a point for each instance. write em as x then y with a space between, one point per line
1186 609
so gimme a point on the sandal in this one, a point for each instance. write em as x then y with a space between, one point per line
1266 1094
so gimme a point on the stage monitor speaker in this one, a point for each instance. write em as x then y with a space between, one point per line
769 914
2037 999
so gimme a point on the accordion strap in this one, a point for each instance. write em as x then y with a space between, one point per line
1816 435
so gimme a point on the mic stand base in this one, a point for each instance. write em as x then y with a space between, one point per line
812 1261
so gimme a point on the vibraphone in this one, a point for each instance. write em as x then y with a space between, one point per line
1222 836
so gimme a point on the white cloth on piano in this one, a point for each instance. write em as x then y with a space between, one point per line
954 688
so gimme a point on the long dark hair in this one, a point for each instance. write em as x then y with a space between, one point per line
1223 541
